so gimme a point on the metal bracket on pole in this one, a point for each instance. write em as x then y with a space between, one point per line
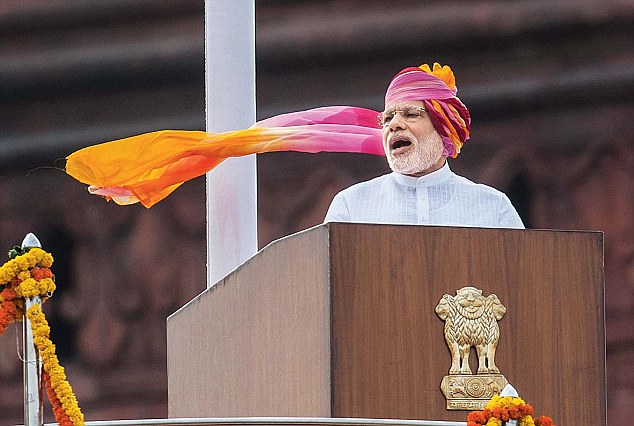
32 362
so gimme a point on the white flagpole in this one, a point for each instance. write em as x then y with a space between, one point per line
230 105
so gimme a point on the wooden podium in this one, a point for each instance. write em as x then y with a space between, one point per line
339 321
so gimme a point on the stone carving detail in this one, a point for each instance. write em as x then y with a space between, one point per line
471 320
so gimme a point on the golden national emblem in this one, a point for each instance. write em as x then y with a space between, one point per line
471 320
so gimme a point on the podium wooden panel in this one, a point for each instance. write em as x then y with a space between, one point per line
339 321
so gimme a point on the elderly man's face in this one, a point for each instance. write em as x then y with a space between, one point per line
412 146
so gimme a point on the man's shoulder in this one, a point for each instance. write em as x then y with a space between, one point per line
477 188
371 184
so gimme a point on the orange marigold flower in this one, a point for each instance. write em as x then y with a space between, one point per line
8 293
8 307
544 421
504 416
525 410
476 417
514 412
41 273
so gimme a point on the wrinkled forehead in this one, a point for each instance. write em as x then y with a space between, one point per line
416 86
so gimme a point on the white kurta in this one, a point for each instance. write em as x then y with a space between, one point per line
439 198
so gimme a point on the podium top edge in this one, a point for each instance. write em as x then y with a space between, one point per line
423 226
264 421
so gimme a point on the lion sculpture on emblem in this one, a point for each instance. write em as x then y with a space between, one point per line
471 320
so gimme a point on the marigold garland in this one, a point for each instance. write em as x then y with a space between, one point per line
28 275
504 408
58 383
60 415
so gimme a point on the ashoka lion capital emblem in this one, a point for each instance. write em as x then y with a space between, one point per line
471 320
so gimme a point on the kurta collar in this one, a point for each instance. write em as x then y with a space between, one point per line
432 179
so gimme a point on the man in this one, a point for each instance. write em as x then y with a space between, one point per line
423 123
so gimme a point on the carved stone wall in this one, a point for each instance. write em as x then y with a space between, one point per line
549 85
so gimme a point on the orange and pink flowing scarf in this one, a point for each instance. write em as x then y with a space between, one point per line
148 167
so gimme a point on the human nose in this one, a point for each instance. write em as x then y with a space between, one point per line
397 121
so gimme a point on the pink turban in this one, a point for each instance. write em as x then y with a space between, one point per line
437 89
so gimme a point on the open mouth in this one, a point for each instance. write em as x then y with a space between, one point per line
399 145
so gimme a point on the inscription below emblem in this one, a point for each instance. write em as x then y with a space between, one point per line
471 320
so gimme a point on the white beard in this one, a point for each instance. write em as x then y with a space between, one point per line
425 154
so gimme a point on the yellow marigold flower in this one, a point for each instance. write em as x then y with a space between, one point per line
42 258
493 402
23 262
